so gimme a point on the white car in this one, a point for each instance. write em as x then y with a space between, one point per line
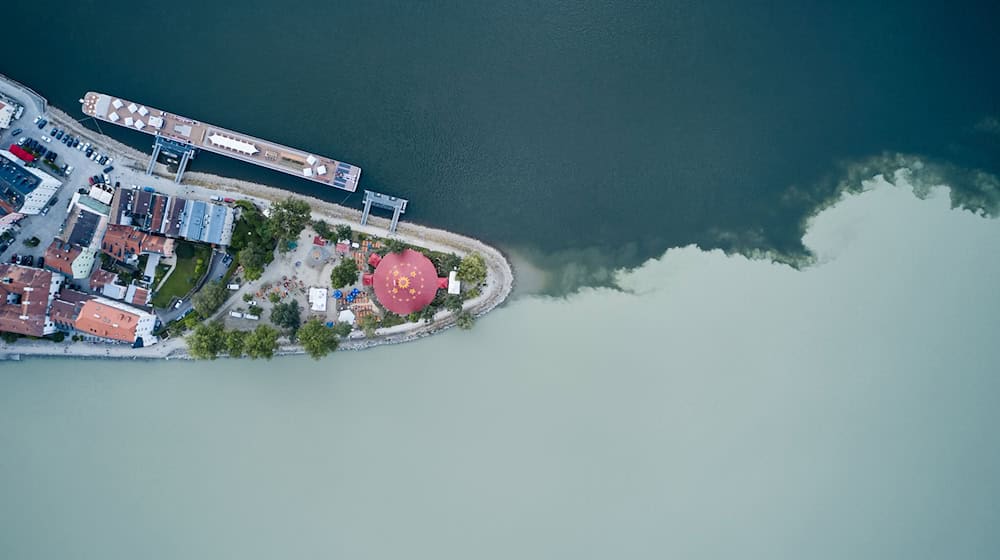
46 138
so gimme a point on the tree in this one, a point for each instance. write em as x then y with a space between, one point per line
207 340
465 320
323 229
317 339
262 342
287 315
255 310
235 342
253 258
344 274
288 218
343 329
472 269
368 325
210 298
273 297
343 232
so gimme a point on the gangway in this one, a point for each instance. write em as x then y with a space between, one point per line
394 203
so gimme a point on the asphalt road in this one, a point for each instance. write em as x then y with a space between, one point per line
217 269
45 226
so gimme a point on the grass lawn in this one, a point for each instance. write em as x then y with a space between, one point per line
184 277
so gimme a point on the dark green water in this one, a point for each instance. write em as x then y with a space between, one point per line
603 131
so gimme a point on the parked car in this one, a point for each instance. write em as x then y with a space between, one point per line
16 131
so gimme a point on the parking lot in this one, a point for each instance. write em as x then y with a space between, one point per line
46 227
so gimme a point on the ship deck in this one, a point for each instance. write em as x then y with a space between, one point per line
215 139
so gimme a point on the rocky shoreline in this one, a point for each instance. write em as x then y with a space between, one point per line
498 286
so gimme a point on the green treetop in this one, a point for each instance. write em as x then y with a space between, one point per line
262 342
472 270
288 218
207 340
317 339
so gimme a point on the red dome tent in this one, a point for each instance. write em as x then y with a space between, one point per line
405 282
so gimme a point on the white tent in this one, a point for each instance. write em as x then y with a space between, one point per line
233 144
143 111
113 117
117 103
311 159
129 121
317 299
132 108
156 122
321 170
307 172
139 124
346 316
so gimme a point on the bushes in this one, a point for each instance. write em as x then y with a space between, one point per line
472 270
465 320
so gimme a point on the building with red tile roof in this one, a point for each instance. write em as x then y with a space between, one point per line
137 296
59 256
26 295
114 321
125 243
66 308
100 278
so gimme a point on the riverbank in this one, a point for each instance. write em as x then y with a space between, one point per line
131 165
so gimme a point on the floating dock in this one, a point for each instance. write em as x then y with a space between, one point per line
176 131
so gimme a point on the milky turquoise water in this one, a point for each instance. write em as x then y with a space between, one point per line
717 408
